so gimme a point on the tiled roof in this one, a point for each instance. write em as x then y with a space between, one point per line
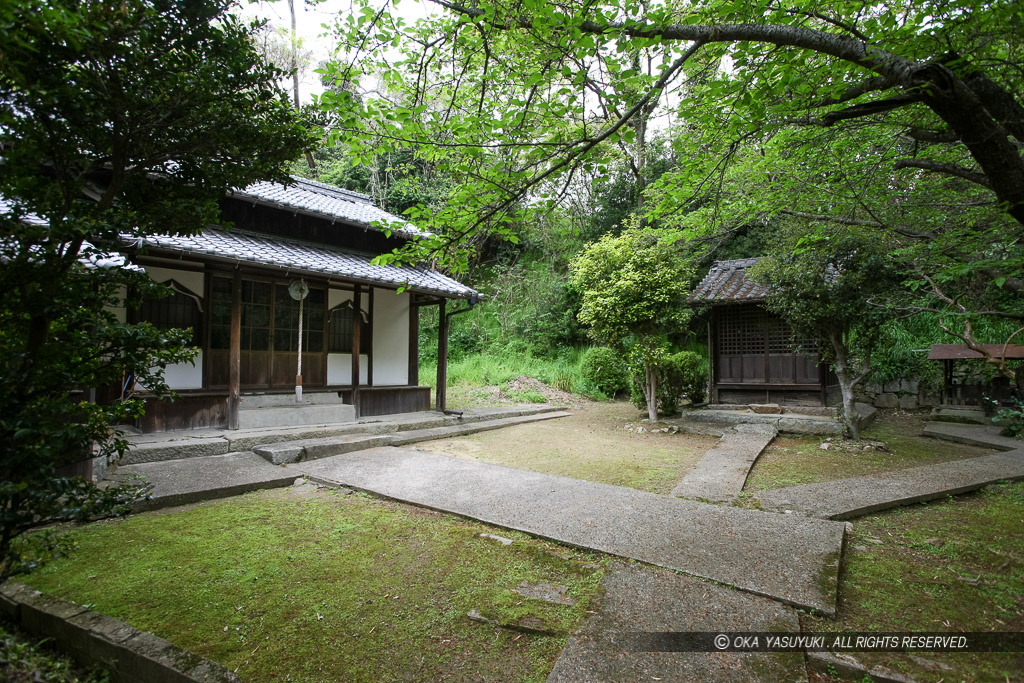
727 282
301 257
7 206
962 351
326 201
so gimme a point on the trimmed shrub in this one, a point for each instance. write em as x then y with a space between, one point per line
604 369
680 375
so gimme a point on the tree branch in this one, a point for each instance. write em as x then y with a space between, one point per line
945 169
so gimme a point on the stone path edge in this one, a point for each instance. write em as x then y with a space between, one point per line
833 571
130 655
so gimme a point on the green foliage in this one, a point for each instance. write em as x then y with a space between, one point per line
682 375
1011 419
832 289
634 289
116 121
635 285
26 658
604 369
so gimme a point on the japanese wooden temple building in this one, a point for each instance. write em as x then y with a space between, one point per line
754 355
963 388
231 287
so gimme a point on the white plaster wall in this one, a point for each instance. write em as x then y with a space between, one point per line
185 375
181 376
339 296
390 337
339 368
191 279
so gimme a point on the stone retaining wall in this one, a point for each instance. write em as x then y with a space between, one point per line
907 394
131 656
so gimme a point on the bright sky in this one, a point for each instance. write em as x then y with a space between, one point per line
309 20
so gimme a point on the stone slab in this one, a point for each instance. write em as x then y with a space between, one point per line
789 423
848 498
961 415
788 557
973 435
179 482
313 449
297 414
172 450
720 475
202 442
642 599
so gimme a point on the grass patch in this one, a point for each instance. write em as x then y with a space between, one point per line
477 379
309 585
791 460
25 659
592 444
949 567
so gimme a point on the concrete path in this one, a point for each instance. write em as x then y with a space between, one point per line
638 600
847 498
721 473
787 557
179 482
973 435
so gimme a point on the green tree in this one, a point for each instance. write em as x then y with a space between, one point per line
515 78
634 289
832 288
903 117
117 120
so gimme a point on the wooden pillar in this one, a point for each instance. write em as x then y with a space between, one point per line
235 353
414 344
442 357
357 329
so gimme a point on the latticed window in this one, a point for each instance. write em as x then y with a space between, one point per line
286 321
339 336
741 331
174 311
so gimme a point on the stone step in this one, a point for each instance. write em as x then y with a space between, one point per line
296 414
314 449
254 401
201 443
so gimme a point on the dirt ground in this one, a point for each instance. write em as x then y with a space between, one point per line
598 443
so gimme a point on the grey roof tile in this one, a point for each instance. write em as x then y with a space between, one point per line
329 202
727 282
303 257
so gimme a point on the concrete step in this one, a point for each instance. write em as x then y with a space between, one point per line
201 443
314 449
254 401
180 482
295 414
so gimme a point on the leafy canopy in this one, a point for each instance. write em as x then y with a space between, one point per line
117 120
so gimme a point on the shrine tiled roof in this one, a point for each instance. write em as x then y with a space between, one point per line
727 282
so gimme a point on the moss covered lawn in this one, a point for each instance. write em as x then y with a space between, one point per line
306 584
791 460
952 566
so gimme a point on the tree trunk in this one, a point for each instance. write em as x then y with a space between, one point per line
846 386
651 392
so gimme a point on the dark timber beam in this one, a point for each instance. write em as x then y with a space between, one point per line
235 352
442 357
357 328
